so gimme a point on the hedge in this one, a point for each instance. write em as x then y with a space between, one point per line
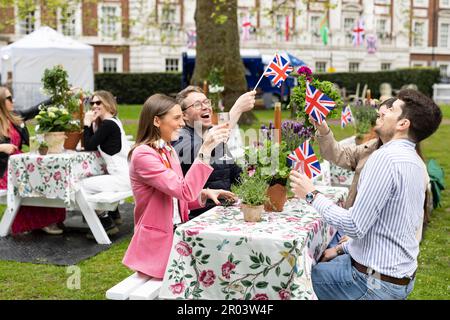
424 78
135 88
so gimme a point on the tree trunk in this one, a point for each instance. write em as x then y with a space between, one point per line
218 46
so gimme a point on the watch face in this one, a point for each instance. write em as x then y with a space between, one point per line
309 197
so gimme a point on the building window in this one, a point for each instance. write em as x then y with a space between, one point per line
444 70
110 63
420 3
27 23
68 21
385 66
109 20
353 67
171 64
418 34
315 28
444 4
321 66
444 35
349 25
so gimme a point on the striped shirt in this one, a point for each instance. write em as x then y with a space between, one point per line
387 212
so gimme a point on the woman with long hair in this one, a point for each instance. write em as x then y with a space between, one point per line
13 135
104 132
163 197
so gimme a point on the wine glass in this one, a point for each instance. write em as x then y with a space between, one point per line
223 118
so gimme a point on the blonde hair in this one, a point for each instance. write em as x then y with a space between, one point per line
6 116
158 105
183 94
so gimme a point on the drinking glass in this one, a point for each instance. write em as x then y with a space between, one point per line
222 118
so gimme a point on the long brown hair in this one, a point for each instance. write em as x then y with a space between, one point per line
108 101
6 116
158 105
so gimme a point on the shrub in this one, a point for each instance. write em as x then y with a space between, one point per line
135 88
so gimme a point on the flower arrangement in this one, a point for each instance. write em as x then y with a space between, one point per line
365 115
59 115
215 88
299 94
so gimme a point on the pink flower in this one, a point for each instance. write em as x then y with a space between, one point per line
342 178
17 173
227 267
183 248
194 231
57 176
284 294
293 219
304 70
207 278
260 296
85 165
30 167
232 229
177 288
39 160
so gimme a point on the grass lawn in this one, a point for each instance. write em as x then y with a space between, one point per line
33 281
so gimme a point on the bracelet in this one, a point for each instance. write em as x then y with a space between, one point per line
339 249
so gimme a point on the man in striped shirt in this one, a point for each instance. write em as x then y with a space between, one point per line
380 259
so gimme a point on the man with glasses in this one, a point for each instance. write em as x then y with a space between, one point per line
197 112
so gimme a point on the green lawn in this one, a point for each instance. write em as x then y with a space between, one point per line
33 281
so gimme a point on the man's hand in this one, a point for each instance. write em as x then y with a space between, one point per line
322 128
216 194
344 239
244 103
300 184
329 255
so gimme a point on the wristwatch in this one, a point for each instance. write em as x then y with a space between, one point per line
203 157
311 196
339 249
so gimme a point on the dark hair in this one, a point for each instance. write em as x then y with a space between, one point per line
158 105
423 114
182 95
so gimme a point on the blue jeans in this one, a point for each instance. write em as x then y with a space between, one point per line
339 280
335 241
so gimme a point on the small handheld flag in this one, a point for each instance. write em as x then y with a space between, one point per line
318 105
304 160
346 116
277 70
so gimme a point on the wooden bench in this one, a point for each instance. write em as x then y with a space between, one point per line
135 287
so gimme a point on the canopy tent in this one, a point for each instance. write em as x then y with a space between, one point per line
44 48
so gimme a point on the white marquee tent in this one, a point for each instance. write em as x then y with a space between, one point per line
44 48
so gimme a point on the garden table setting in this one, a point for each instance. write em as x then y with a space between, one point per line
220 256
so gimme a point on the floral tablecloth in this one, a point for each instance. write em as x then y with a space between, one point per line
220 256
53 176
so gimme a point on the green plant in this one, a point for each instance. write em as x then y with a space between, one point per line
365 117
215 88
251 189
54 119
43 144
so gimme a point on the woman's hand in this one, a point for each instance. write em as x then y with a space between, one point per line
88 118
214 136
216 194
8 148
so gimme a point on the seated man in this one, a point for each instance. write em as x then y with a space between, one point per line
380 259
197 112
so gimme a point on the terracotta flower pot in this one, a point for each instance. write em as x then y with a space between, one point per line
277 196
55 141
43 151
214 119
252 213
72 140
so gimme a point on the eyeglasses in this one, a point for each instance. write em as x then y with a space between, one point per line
97 103
198 104
10 98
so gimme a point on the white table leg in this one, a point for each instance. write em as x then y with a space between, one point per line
91 218
9 215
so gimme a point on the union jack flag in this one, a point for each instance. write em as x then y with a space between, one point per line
278 70
191 39
318 105
346 116
305 160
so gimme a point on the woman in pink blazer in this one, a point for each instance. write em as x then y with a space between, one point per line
163 197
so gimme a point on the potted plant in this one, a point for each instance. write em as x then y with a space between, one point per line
55 83
365 115
251 190
43 148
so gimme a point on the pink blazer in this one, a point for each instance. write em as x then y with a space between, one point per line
153 186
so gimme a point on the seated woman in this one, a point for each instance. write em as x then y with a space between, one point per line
163 197
104 132
13 135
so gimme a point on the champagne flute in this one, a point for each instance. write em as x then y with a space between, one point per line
223 118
